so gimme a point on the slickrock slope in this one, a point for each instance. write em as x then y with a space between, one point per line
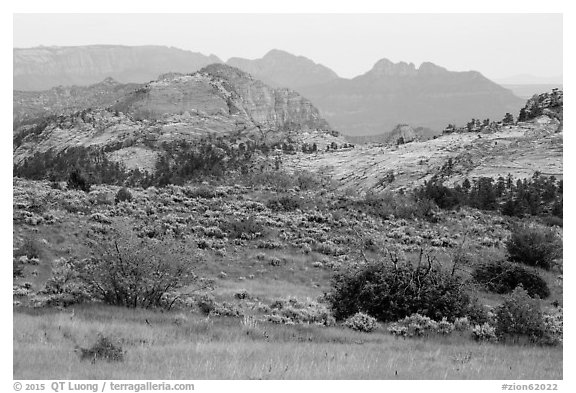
518 150
42 68
217 99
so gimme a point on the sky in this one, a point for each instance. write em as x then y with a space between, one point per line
498 45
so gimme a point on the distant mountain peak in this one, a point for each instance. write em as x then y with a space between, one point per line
278 53
385 67
428 68
283 69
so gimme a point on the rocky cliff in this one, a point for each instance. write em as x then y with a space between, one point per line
41 68
218 99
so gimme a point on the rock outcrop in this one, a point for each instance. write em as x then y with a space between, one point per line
218 99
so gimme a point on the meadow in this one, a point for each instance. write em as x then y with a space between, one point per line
174 345
270 254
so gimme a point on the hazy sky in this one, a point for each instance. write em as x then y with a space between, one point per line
498 45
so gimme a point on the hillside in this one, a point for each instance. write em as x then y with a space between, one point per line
29 106
42 68
519 150
207 225
218 99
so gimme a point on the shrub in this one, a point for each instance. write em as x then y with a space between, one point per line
461 324
31 248
553 329
63 287
413 325
103 349
133 272
17 269
203 191
361 322
477 313
284 203
504 277
390 292
242 294
78 182
443 197
484 332
294 311
206 303
246 229
519 316
534 247
387 204
123 195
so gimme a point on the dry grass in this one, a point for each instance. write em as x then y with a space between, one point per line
178 346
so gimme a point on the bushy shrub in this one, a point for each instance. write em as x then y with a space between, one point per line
132 272
246 229
504 277
361 322
534 246
242 294
443 197
462 324
202 191
17 269
413 325
123 195
225 309
390 292
285 203
30 247
553 329
294 311
78 182
103 349
484 332
387 204
520 316
206 303
63 288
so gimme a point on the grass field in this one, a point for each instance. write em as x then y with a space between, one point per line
189 346
294 258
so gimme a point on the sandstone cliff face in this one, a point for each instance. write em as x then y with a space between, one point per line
223 90
45 67
218 99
